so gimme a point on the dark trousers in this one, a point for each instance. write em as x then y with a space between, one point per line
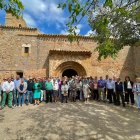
48 96
78 95
111 95
1 97
64 98
96 94
92 94
129 94
15 97
118 95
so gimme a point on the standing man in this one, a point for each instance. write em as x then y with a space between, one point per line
55 90
119 89
8 88
29 93
49 89
105 90
110 85
79 89
17 82
73 92
101 89
22 89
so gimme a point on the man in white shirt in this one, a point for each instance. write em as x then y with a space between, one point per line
7 88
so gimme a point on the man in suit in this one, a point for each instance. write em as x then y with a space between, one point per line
119 89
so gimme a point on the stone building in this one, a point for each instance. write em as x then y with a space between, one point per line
27 52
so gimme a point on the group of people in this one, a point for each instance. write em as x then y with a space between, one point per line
20 91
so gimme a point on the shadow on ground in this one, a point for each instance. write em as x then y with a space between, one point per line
75 121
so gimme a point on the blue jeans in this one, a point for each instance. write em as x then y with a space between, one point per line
21 99
29 97
137 99
64 98
81 95
15 96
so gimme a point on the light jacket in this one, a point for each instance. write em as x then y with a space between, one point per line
24 88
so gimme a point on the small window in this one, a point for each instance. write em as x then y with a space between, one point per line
26 50
20 26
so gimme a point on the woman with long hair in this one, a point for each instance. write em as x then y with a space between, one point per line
128 86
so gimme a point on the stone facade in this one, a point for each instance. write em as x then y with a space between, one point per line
50 55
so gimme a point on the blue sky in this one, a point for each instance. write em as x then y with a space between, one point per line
44 15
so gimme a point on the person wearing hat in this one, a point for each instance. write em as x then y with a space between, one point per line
136 89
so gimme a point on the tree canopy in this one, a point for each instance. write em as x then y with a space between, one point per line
115 22
15 7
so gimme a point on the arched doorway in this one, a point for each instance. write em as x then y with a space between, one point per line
70 68
69 73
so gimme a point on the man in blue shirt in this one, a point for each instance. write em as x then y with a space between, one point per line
17 82
101 89
110 85
119 89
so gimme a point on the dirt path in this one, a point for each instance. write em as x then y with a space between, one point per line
72 121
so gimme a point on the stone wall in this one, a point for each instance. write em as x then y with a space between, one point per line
37 63
123 65
11 58
137 61
13 21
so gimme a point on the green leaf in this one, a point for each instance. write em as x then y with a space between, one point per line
64 6
108 3
70 7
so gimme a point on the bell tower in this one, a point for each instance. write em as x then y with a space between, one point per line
13 21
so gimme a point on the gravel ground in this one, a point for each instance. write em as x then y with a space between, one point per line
72 121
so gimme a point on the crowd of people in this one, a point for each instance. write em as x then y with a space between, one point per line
20 91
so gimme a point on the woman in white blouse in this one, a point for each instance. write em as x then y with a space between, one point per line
64 92
128 86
